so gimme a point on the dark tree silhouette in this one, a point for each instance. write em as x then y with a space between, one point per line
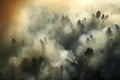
25 66
91 36
98 14
14 41
106 16
89 52
109 33
103 16
65 20
81 26
43 47
34 66
117 26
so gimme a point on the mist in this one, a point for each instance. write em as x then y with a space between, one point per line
60 40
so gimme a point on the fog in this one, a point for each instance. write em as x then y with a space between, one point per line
60 40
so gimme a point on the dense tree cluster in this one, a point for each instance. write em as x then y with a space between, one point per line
33 67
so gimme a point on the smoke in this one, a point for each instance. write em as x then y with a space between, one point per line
46 40
8 12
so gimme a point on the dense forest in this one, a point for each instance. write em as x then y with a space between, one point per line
57 47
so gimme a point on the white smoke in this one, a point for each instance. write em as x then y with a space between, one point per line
60 43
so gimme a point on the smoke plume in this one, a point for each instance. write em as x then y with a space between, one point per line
59 40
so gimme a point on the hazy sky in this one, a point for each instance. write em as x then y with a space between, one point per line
10 10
